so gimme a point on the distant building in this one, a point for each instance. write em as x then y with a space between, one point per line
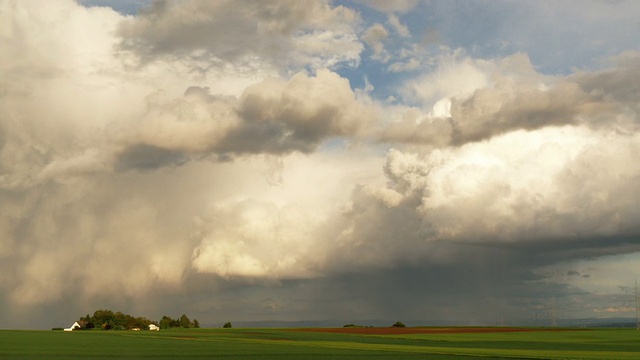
154 327
73 327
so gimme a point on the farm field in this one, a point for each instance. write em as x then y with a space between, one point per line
323 343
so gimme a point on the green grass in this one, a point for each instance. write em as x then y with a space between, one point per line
292 344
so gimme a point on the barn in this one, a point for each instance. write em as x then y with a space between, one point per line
73 327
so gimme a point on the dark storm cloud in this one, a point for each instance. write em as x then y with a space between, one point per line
483 231
598 100
148 157
564 104
619 84
279 118
482 286
272 117
501 179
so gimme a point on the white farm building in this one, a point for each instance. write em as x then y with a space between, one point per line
73 327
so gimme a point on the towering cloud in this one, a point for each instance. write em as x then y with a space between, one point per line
272 117
257 159
476 100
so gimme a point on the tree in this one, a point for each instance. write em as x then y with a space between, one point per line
166 322
119 321
115 321
398 324
103 317
141 322
195 323
184 321
227 325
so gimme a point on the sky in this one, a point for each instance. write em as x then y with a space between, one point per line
415 161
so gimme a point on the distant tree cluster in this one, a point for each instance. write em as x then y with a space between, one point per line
358 326
109 320
182 322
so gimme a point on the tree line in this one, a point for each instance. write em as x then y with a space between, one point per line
109 320
182 322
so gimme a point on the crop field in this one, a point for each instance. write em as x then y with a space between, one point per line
324 343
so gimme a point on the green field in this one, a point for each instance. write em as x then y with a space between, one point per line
296 344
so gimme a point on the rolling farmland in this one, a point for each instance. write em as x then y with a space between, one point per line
322 343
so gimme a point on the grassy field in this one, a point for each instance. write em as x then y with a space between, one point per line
306 344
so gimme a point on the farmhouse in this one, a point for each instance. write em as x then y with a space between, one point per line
73 327
153 327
